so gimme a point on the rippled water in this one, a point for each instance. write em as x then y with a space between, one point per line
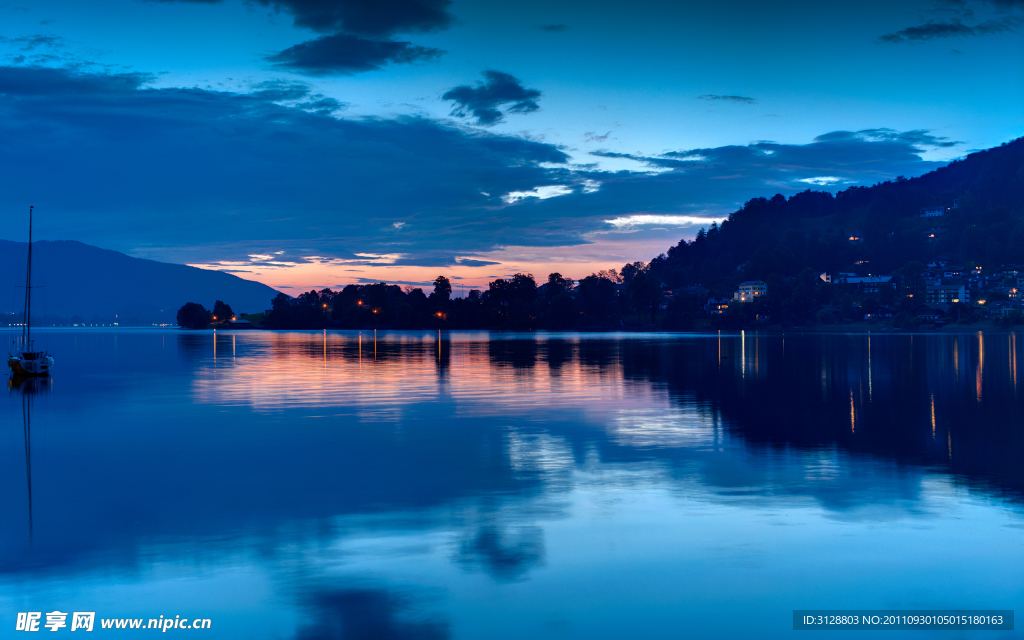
467 485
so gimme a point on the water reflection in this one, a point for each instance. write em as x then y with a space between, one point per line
378 483
27 388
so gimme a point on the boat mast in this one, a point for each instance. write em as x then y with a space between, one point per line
26 330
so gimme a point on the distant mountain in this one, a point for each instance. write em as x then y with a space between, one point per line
87 281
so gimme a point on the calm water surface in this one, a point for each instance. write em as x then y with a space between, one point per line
312 485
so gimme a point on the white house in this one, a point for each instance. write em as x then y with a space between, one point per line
933 212
750 291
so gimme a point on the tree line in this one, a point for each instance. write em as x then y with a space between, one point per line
598 301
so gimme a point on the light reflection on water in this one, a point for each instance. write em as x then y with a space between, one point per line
424 485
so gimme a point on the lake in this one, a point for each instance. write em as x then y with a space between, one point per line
473 485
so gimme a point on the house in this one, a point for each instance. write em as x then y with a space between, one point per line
856 238
1013 293
946 293
868 284
933 212
1003 308
750 291
933 312
953 272
824 277
716 306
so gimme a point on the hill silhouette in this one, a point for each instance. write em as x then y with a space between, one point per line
83 280
865 230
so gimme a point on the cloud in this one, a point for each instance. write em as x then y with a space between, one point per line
242 174
553 28
370 18
347 54
357 33
949 29
737 99
637 220
30 43
821 181
919 139
485 100
592 136
373 18
470 262
542 193
257 168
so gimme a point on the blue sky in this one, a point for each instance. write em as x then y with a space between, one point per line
311 143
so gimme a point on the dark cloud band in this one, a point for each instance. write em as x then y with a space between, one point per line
719 98
370 18
932 30
346 54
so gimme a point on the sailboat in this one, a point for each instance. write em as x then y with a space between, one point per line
27 361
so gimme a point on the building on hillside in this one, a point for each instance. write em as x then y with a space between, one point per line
1003 308
1012 293
868 284
947 293
824 277
931 311
716 306
750 291
1011 270
933 212
882 311
667 295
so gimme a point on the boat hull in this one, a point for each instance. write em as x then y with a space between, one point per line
35 368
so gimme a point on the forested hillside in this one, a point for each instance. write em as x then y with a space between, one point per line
813 229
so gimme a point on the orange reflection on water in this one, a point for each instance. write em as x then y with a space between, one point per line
274 371
981 365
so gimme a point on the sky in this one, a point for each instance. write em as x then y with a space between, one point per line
316 143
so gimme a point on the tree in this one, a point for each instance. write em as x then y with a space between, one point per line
523 287
557 284
442 290
193 315
596 295
222 312
630 271
645 293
